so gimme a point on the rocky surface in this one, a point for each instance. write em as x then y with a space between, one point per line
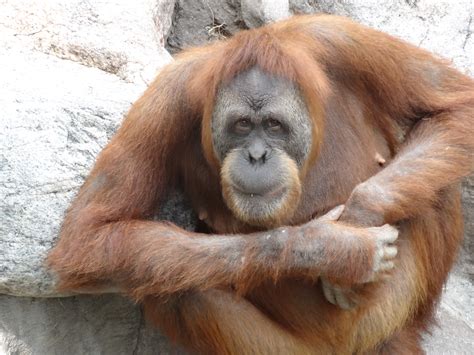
67 81
70 70
106 324
466 261
201 21
441 26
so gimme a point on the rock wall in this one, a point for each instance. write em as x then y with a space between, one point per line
70 70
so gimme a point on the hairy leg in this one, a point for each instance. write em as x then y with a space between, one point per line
407 341
219 322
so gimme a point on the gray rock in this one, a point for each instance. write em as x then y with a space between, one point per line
260 12
466 260
106 324
454 333
443 27
122 38
58 114
70 71
197 22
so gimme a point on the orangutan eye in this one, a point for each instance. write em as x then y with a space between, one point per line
273 125
243 125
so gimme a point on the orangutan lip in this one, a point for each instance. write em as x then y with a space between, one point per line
273 193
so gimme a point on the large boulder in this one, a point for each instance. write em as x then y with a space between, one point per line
442 26
70 70
107 324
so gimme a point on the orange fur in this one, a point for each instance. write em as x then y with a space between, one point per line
368 93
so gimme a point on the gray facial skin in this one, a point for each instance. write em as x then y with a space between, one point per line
261 116
260 123
257 96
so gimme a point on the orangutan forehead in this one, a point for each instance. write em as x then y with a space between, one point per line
259 89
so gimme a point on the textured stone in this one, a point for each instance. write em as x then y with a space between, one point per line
197 22
261 12
466 261
441 26
118 37
454 333
106 324
58 114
